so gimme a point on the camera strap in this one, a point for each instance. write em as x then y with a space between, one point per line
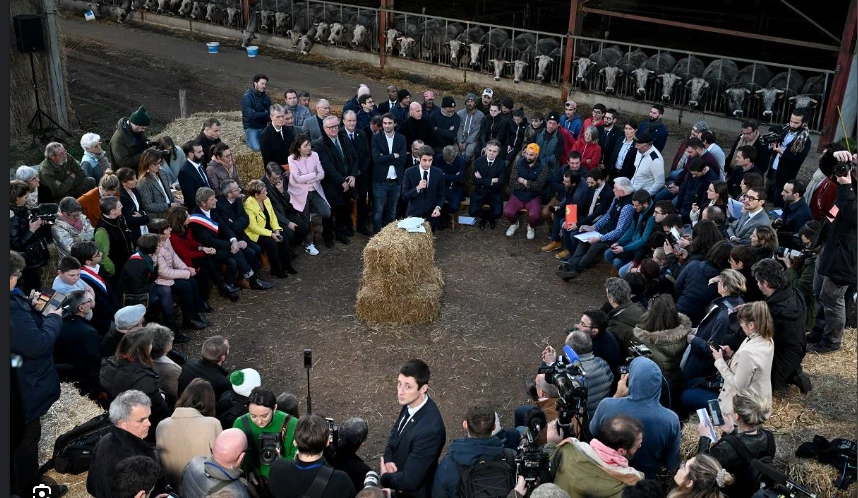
321 482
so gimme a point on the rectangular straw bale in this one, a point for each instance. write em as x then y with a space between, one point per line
421 305
400 256
391 287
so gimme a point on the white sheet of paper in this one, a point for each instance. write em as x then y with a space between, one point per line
467 220
412 224
586 236
703 415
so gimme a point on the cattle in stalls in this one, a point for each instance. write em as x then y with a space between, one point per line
747 81
323 31
407 47
249 31
305 42
118 14
434 41
813 87
340 33
197 11
150 4
233 14
717 75
518 68
498 66
456 47
657 65
543 65
282 18
513 47
487 46
216 12
96 8
608 56
185 8
391 40
303 24
627 63
787 83
685 69
266 18
363 35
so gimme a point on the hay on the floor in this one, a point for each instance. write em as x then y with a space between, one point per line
71 410
421 305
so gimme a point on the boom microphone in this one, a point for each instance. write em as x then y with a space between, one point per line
535 419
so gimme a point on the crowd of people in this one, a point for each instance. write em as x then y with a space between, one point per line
713 296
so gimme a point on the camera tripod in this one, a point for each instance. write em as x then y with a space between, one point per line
36 122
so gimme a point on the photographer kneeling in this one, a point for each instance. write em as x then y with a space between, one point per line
342 454
741 442
30 234
308 475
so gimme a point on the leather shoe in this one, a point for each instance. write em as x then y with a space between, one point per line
821 348
207 308
229 291
180 338
567 275
493 223
330 243
259 284
243 284
202 319
341 237
58 490
482 223
802 381
280 274
193 325
291 270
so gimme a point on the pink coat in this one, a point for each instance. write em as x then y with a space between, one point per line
170 265
304 173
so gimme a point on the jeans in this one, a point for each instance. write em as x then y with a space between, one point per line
384 209
557 226
618 260
251 136
514 205
318 205
25 459
570 243
832 299
695 398
662 195
625 269
454 200
585 254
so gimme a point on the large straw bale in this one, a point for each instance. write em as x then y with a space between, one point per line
421 305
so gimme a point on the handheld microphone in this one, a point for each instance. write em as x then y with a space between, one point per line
535 421
573 358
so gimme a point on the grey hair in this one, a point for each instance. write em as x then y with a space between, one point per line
69 205
272 168
353 432
120 408
549 389
89 140
618 290
624 184
277 108
580 342
52 148
349 112
75 300
226 186
161 337
328 118
25 173
549 490
321 102
594 132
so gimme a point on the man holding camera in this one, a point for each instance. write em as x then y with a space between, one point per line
309 475
416 439
789 152
342 455
835 268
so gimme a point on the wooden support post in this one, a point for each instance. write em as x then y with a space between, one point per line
382 32
183 103
841 77
245 4
570 49
54 67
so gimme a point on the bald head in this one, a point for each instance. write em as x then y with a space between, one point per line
415 110
229 448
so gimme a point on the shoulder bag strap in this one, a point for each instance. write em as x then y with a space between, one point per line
739 446
321 482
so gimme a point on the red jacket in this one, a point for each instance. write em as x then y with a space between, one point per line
186 247
822 199
590 153
568 142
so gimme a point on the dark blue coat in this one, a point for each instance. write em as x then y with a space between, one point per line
382 156
715 325
693 190
795 215
694 291
425 201
837 259
415 451
454 173
467 452
33 339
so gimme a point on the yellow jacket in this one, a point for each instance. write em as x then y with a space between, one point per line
257 219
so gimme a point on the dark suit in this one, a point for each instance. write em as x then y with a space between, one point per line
385 107
415 451
484 191
337 168
628 162
313 128
190 180
274 147
106 302
386 193
128 208
220 241
422 203
608 140
363 182
235 217
788 167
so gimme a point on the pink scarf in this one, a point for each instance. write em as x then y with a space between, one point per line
74 221
608 455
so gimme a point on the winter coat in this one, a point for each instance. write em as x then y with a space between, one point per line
838 252
65 235
202 474
795 215
661 431
181 437
714 326
536 177
550 148
639 231
113 448
667 347
750 368
803 282
622 321
255 107
212 372
788 315
129 206
126 147
138 274
463 452
94 165
50 174
33 339
583 474
441 125
170 265
591 153
337 167
694 290
217 173
599 380
152 198
113 238
122 375
33 247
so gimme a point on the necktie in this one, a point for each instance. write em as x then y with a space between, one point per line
203 175
490 164
352 137
402 422
425 175
339 147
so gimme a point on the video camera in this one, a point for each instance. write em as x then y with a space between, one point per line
636 350
532 462
776 484
568 376
333 433
46 212
270 444
775 135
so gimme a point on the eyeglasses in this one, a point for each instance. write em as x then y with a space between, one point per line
332 127
749 198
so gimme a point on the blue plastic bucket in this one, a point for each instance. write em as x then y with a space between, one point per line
214 47
252 50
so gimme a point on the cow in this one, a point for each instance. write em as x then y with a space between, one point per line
542 64
233 14
197 10
305 43
519 44
164 7
185 8
813 87
339 33
787 83
518 68
362 36
118 14
498 65
657 64
323 31
611 73
391 40
717 75
626 65
249 31
266 17
606 57
434 40
214 13
668 81
748 80
472 35
281 21
407 46
475 49
150 4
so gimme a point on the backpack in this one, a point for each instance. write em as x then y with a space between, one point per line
488 479
73 451
745 476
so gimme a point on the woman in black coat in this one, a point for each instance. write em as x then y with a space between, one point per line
132 203
28 237
132 367
693 288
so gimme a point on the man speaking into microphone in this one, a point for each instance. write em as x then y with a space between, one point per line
418 436
423 189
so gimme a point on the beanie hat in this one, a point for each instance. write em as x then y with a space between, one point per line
470 96
448 102
140 117
532 148
701 126
507 102
244 381
401 94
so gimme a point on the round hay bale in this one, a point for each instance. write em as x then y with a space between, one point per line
421 305
397 259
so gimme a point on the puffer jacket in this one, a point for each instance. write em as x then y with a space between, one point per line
667 347
65 235
170 265
202 474
788 315
582 473
694 290
599 380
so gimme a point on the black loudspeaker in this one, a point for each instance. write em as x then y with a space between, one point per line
29 34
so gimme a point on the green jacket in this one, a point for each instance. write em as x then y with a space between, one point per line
279 424
582 474
803 283
126 147
667 347
59 179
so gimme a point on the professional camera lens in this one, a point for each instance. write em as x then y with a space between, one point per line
267 456
371 479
